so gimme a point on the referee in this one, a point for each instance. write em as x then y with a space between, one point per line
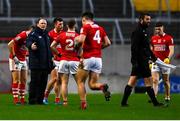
141 55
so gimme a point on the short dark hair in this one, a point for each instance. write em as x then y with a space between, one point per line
142 15
31 27
71 23
57 19
40 19
159 24
88 15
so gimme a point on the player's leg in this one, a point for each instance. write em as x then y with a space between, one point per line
128 90
167 86
94 85
22 86
57 90
155 78
64 87
50 85
150 91
81 77
15 80
15 83
57 86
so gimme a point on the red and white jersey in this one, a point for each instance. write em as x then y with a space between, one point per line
66 40
94 38
20 46
53 36
160 45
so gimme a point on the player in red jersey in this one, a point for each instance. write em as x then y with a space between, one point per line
18 65
93 39
69 58
58 29
163 48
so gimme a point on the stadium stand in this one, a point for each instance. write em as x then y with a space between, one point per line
111 8
67 8
153 5
28 8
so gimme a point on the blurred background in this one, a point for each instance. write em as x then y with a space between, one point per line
118 17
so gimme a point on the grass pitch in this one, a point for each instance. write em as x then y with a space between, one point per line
98 109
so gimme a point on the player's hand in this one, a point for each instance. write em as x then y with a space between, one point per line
16 60
81 65
34 46
150 66
167 60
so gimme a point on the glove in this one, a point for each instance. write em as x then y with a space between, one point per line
167 60
16 60
150 65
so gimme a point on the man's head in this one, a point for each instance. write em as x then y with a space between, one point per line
58 23
41 23
71 24
87 17
145 19
159 28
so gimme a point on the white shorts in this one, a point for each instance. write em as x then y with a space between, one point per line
56 63
17 67
67 67
93 64
163 70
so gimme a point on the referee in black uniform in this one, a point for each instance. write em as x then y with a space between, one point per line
141 55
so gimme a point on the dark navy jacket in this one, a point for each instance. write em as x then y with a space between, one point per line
42 57
140 47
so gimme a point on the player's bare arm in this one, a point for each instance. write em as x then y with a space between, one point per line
11 47
80 41
106 42
171 51
53 48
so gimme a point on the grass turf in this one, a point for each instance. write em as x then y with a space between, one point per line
98 109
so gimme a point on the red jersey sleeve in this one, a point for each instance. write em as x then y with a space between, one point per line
84 30
170 41
20 37
103 33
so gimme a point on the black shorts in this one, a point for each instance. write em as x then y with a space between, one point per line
142 71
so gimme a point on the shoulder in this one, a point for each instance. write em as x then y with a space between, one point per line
154 37
51 32
168 36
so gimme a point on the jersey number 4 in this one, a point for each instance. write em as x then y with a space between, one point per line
97 37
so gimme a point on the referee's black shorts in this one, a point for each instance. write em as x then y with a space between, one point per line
141 71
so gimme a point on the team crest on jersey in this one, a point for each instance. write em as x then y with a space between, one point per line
40 37
159 40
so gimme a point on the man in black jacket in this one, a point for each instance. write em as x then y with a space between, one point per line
141 55
40 61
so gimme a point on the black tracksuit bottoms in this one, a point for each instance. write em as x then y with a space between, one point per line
37 85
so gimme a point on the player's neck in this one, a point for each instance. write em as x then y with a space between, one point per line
71 30
90 22
57 30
